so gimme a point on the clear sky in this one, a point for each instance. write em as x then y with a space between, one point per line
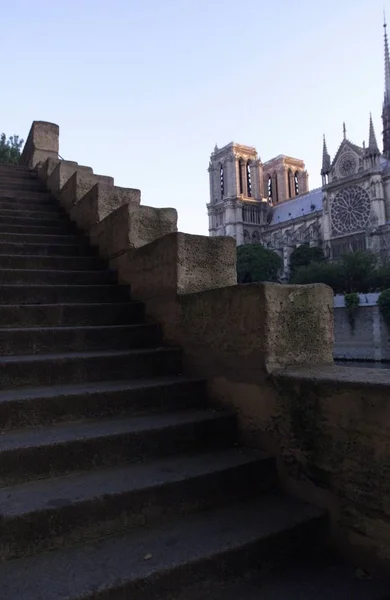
143 90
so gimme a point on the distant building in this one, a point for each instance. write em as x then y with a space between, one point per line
270 203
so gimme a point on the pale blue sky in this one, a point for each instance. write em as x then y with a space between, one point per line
143 90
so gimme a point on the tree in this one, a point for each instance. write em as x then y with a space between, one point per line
328 273
355 272
256 263
10 149
304 255
357 269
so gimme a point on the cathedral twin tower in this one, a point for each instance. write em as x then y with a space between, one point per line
270 203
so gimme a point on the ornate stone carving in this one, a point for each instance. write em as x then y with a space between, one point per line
350 210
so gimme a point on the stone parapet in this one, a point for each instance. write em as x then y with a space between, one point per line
57 175
178 263
101 201
131 226
42 143
78 185
330 426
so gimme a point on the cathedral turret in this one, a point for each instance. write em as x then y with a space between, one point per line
372 149
325 163
386 100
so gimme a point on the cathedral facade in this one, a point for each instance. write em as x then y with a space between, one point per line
270 203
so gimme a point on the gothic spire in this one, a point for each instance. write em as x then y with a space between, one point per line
386 102
373 149
387 65
325 159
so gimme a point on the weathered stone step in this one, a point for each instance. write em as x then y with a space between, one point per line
46 249
13 183
63 294
64 229
44 239
62 263
31 205
48 451
53 513
16 172
52 315
160 561
78 339
307 579
79 367
26 195
29 407
56 277
51 222
40 214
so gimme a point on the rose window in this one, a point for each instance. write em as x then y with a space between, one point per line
347 165
350 210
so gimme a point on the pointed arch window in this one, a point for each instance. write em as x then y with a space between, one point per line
269 188
289 178
222 180
240 179
275 194
296 183
248 179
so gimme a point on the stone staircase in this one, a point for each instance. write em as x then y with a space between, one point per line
118 480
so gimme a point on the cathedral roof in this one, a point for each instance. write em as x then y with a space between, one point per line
297 207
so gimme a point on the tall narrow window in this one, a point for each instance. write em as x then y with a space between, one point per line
222 180
270 188
240 168
289 177
275 194
296 183
248 179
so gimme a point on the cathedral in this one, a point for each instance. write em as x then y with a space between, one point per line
270 203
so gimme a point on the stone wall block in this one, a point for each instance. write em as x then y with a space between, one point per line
132 226
101 201
42 143
178 263
78 185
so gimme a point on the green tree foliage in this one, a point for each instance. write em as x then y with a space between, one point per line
328 273
355 272
10 149
305 255
384 306
256 263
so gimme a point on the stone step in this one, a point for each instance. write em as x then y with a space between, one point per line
52 513
60 339
23 249
15 172
60 229
39 213
31 205
80 367
41 452
309 579
31 407
45 239
30 184
63 294
32 195
51 222
51 263
56 277
157 562
57 315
